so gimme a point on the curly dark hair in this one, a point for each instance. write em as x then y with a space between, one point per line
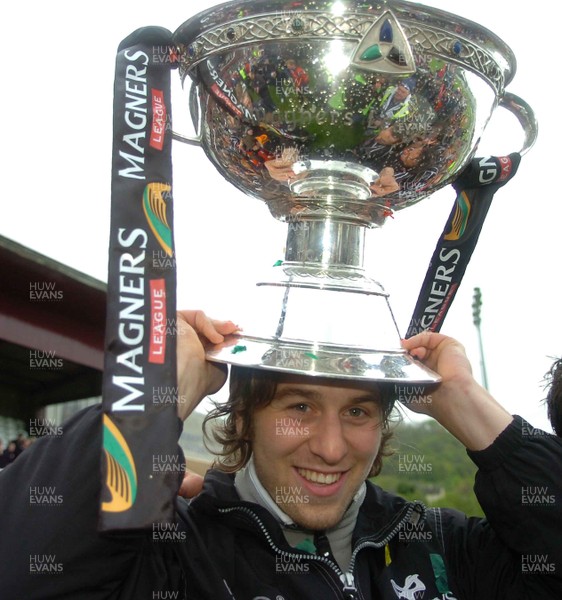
255 388
554 396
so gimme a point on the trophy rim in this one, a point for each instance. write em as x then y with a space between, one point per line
214 31
322 360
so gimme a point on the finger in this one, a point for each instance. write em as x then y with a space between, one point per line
425 339
419 353
420 346
202 324
226 327
428 343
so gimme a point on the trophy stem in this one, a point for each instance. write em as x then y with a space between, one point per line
325 242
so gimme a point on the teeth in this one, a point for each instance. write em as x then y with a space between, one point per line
316 477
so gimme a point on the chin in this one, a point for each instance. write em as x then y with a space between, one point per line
315 519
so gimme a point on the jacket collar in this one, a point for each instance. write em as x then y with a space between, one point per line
379 517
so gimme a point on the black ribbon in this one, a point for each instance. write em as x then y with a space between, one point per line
475 190
140 464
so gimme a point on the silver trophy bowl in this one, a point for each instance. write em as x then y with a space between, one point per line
337 115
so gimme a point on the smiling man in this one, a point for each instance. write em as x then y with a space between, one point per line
314 442
292 508
289 513
327 458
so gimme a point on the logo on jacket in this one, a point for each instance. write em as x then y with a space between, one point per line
412 590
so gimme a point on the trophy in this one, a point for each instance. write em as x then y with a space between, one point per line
337 115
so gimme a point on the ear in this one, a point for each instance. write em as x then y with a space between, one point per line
243 435
239 424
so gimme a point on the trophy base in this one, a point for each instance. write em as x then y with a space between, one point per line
322 320
339 362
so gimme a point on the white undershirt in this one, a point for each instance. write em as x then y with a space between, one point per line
250 489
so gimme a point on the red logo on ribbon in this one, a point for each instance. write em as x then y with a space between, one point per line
506 166
157 348
158 120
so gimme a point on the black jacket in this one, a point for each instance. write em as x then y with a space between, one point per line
223 548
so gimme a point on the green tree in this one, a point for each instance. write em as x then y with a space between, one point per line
430 465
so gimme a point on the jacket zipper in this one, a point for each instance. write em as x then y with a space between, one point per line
381 543
347 579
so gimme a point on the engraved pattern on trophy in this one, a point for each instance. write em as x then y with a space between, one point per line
274 27
353 27
457 50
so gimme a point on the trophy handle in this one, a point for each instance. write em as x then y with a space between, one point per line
192 141
526 117
195 105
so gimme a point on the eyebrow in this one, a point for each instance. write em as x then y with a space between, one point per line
312 395
366 398
296 391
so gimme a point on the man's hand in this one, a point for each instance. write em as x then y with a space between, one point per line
191 485
459 403
281 169
198 377
447 357
385 184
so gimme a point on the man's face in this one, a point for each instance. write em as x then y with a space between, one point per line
387 137
411 156
314 445
401 93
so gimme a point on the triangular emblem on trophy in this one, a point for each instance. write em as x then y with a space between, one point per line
385 48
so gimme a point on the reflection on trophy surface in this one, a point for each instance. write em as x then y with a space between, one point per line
337 115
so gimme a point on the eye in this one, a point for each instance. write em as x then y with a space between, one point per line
300 407
357 412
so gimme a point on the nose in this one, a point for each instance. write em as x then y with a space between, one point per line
328 440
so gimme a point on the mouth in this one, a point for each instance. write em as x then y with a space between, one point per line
319 478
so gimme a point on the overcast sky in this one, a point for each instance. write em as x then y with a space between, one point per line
58 71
